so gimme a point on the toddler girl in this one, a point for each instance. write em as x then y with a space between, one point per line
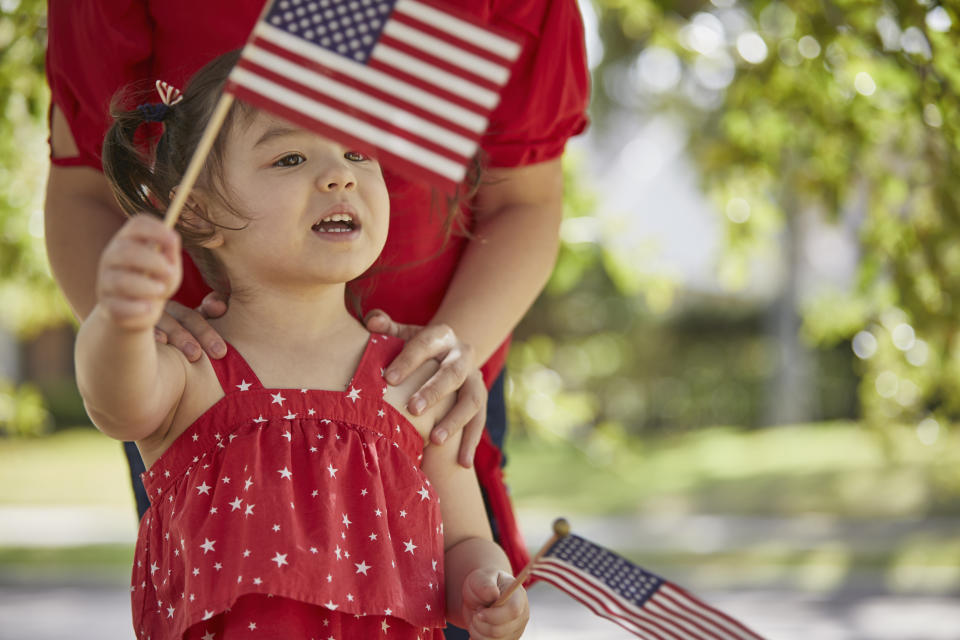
291 495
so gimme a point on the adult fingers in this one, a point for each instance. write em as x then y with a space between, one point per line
452 374
433 342
190 332
214 304
470 414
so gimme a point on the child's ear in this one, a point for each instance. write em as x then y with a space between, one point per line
195 216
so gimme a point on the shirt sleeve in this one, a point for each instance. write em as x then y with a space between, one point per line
94 49
545 101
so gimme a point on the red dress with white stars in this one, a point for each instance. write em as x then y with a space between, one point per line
292 513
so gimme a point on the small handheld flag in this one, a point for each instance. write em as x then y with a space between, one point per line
639 601
405 81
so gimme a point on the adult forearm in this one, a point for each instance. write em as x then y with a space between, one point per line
80 217
501 273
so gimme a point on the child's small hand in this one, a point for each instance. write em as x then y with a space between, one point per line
140 268
506 621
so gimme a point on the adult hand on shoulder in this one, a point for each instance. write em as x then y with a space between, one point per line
458 373
187 329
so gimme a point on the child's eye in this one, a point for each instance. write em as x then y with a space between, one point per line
290 160
355 156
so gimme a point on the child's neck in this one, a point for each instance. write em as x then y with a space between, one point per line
288 320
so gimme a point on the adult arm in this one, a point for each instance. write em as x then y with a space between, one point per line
503 269
80 217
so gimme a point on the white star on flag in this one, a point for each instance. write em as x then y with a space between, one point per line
280 559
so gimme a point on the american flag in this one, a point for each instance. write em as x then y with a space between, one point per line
403 80
637 600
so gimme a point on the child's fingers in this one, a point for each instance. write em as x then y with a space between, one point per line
130 254
500 623
128 312
132 285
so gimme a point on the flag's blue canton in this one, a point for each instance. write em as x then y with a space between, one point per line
620 575
349 28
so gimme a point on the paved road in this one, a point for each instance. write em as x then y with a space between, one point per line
100 611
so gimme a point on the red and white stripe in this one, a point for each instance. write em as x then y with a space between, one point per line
670 614
420 103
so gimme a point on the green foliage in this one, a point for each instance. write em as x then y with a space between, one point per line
847 110
29 300
22 411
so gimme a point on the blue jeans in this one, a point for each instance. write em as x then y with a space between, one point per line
496 426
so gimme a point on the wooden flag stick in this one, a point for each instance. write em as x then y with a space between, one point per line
199 157
561 529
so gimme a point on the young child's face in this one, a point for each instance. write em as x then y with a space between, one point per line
319 211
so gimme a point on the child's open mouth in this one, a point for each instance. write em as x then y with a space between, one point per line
336 223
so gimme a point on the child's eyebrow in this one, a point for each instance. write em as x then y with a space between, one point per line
276 131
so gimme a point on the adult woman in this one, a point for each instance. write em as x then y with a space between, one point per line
457 296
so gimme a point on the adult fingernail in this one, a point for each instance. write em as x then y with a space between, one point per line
440 435
419 405
192 351
393 377
219 349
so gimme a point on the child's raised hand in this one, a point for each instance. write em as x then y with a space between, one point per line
506 621
139 269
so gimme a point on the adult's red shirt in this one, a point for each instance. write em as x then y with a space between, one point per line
96 48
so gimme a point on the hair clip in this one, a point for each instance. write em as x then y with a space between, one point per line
157 111
169 95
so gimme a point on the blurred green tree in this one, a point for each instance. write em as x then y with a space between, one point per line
846 111
29 301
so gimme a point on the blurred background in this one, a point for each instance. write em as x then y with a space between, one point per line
744 373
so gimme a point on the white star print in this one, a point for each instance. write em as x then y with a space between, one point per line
346 521
257 581
285 473
203 488
252 626
428 607
384 626
237 502
207 545
246 553
276 527
363 492
337 551
280 559
243 386
333 472
410 546
154 568
226 480
403 513
249 510
259 419
207 614
424 494
217 566
329 577
247 484
311 412
290 416
313 550
350 597
354 394
277 398
380 413
208 636
329 605
363 567
195 438
373 536
378 513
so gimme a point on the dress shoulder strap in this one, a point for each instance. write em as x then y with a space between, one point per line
380 352
234 373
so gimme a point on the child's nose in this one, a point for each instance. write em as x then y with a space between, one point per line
337 178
